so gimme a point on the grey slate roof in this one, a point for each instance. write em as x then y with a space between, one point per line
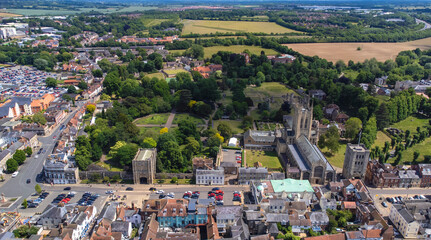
120 226
277 217
404 213
260 136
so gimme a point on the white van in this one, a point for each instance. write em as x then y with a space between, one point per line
15 174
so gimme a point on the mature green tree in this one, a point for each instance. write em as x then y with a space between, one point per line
149 143
25 231
82 85
40 64
225 130
195 51
19 157
97 73
38 189
125 154
332 139
24 203
51 82
28 151
382 116
105 65
353 126
39 118
11 165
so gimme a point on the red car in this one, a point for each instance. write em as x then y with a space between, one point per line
211 195
219 198
237 195
238 161
196 192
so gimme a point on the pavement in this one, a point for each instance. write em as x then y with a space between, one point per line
170 119
17 187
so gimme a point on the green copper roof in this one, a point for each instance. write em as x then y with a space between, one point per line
291 185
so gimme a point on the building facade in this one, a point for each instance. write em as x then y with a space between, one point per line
58 170
248 174
404 221
355 161
144 166
210 177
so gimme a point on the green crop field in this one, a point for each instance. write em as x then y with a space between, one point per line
157 119
411 123
267 159
208 26
185 116
209 51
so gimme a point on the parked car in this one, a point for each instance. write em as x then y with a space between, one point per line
129 189
15 174
215 189
28 181
109 192
384 204
153 189
67 189
160 191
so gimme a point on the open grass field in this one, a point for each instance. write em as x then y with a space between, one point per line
185 116
233 124
381 139
143 130
158 75
411 123
348 51
268 89
208 26
267 159
209 51
159 118
424 148
337 159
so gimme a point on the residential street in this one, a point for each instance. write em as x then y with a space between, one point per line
17 187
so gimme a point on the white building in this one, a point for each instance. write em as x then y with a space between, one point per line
210 177
233 142
7 32
404 221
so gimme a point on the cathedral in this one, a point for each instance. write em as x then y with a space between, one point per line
297 145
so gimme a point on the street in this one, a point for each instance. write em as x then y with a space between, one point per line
17 186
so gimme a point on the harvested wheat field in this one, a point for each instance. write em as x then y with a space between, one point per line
5 14
349 51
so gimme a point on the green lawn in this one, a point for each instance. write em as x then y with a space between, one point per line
109 166
234 125
267 159
227 99
268 89
424 148
143 130
411 123
158 75
337 159
185 116
157 119
381 139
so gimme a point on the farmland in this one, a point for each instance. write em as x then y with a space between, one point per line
348 51
5 14
209 51
208 26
